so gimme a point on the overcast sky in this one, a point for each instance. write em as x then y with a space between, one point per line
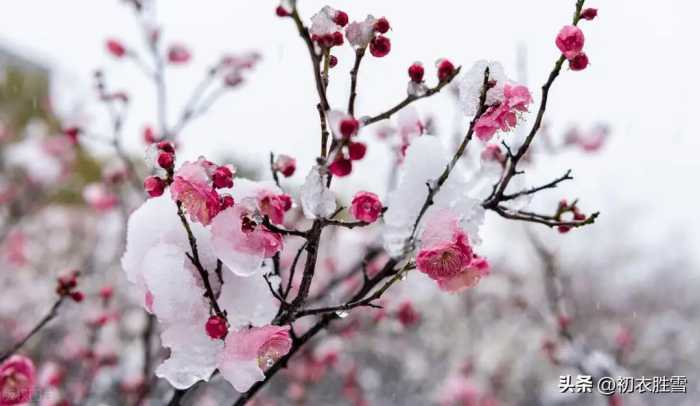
642 82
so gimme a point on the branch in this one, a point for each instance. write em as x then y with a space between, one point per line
359 54
497 195
550 185
292 270
549 221
315 58
47 318
194 258
434 189
325 320
271 227
410 99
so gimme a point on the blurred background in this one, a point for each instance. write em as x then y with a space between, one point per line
626 287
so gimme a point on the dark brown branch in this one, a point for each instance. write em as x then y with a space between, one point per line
275 229
47 318
433 189
315 58
292 270
549 221
410 99
359 54
511 168
297 344
275 176
194 258
550 185
345 224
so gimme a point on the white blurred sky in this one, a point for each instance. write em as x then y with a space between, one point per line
642 81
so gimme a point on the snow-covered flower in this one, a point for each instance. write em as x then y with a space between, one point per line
248 352
17 380
366 207
192 186
317 201
240 243
155 261
503 116
359 34
425 160
473 80
342 125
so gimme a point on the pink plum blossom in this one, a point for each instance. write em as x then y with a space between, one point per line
17 380
192 186
248 352
366 207
240 243
503 116
274 205
285 164
445 254
570 41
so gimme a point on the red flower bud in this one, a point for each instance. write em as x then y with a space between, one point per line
445 69
341 18
222 177
166 160
154 186
382 25
166 146
282 12
357 150
225 201
380 46
349 127
77 296
416 72
340 167
115 48
216 327
578 62
338 38
589 13
332 61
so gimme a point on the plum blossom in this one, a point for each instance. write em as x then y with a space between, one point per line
504 116
274 205
17 380
240 242
285 164
366 207
249 351
238 237
570 41
155 262
99 197
472 82
192 186
317 201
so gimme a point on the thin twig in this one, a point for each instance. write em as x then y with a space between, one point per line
410 99
44 320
